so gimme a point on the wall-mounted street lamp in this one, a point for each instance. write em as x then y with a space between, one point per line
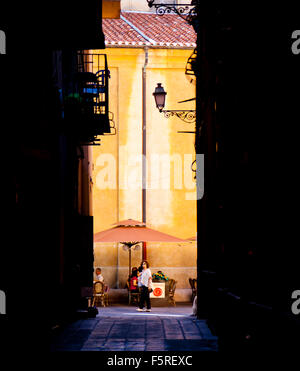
159 94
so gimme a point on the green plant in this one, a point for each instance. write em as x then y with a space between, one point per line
159 276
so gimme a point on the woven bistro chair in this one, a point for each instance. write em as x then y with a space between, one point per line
99 294
193 284
134 297
172 288
106 290
191 281
195 287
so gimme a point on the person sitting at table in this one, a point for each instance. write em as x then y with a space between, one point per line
99 275
133 280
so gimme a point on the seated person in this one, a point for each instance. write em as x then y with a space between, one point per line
133 280
101 279
99 275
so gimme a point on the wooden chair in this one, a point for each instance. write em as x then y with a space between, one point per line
195 287
98 294
193 284
172 288
134 297
106 290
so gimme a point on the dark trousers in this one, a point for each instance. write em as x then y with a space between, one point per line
145 298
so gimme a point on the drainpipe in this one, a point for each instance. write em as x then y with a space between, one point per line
144 145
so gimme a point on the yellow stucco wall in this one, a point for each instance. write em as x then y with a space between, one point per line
111 9
118 160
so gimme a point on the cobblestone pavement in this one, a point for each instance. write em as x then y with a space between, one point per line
121 328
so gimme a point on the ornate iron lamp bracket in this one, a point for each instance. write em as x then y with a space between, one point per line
186 11
188 116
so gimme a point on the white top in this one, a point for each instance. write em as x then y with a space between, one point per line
146 274
139 280
100 277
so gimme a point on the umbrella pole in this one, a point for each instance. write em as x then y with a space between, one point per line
129 260
118 264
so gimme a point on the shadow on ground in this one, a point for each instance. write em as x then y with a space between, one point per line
122 328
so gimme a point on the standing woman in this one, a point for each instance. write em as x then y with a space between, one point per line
145 280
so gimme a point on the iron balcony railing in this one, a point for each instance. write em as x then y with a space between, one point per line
86 105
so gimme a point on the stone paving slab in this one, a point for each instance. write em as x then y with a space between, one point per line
124 329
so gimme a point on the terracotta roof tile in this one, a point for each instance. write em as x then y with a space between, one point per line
149 29
116 30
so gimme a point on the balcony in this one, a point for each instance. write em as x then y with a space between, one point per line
86 100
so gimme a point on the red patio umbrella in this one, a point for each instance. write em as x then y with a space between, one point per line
130 232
